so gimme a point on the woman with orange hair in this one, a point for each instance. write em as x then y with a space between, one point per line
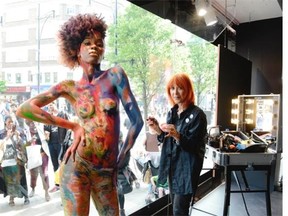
183 138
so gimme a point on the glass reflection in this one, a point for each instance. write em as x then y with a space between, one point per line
148 47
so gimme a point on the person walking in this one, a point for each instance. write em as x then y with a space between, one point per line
183 137
91 162
34 140
55 137
125 179
13 162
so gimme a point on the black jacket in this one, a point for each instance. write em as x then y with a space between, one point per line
183 161
61 131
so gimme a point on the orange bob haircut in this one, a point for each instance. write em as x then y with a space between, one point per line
183 81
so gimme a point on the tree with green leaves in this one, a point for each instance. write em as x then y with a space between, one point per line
143 44
203 59
2 86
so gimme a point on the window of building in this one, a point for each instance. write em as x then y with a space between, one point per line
47 77
69 75
48 52
30 76
18 78
9 78
15 34
40 78
71 10
19 54
48 29
21 15
55 77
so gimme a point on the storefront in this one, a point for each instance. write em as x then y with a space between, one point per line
34 89
18 93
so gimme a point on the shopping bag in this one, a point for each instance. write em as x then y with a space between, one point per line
34 156
57 176
147 175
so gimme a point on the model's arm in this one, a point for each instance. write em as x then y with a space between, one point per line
132 110
31 109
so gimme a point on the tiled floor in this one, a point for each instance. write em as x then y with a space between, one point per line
213 204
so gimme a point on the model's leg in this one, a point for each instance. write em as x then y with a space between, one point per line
104 192
75 188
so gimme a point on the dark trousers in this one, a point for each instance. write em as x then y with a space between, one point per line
54 150
3 188
121 199
181 204
23 181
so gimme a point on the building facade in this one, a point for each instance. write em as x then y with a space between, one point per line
29 54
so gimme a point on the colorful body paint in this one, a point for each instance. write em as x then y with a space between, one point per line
96 99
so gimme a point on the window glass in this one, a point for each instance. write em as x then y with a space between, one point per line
15 34
47 77
16 55
69 75
149 48
55 77
48 52
9 78
18 77
21 15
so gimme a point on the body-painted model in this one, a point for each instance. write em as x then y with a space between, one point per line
90 164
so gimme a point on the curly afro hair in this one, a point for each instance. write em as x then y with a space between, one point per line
72 34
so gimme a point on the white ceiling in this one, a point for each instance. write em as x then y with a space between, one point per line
242 11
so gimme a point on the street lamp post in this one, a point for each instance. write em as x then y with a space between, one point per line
39 33
116 23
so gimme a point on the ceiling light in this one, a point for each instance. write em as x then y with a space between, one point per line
201 7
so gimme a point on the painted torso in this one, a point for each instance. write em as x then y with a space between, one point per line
97 106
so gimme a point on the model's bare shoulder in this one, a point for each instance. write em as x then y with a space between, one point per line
118 74
116 70
65 86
